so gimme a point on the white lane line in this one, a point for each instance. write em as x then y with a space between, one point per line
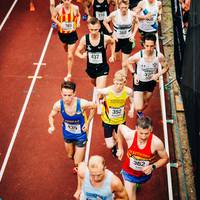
87 152
8 13
25 105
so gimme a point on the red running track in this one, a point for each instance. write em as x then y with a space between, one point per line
38 167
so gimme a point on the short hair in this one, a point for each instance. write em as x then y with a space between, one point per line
150 36
144 122
120 75
97 162
93 21
68 85
126 2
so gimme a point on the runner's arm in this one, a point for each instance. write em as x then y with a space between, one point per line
118 189
164 67
53 113
126 133
157 146
80 175
55 14
80 49
88 105
130 94
107 20
110 41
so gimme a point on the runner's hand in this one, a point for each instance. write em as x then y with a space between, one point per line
77 194
51 130
132 38
114 37
120 153
85 127
136 79
147 170
131 113
112 58
84 55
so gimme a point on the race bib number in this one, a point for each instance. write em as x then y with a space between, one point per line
95 57
138 164
116 112
101 15
73 128
123 33
68 26
147 76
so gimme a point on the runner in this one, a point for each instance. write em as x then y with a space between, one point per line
146 72
124 20
67 18
93 47
113 108
74 125
143 147
101 9
149 15
97 182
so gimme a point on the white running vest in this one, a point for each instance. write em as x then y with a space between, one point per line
123 28
152 24
146 69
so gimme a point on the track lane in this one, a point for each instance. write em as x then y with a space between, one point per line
38 167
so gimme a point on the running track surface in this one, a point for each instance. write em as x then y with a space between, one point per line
38 167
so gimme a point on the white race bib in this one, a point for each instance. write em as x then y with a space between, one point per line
101 15
68 26
123 33
95 57
116 112
73 128
138 164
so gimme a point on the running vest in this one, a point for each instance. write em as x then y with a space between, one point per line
92 193
72 125
113 109
123 28
150 25
137 158
100 10
146 69
96 55
70 20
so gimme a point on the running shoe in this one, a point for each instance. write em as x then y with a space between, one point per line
54 25
85 17
75 170
140 115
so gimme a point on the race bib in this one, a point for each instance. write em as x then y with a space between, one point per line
95 57
101 15
68 26
123 33
138 164
73 128
116 112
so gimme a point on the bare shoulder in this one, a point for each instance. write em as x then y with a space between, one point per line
157 143
75 7
58 7
134 58
104 91
56 105
116 182
161 56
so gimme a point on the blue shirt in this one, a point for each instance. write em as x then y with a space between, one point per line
100 193
72 124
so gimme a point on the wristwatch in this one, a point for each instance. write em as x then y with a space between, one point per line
153 167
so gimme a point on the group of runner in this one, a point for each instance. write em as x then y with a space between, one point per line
116 29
